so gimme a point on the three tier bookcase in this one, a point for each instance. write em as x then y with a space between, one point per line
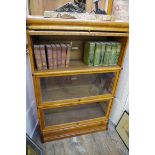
75 100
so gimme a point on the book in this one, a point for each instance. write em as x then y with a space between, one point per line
89 53
107 54
103 49
49 56
112 54
37 56
118 50
43 56
54 54
63 55
97 54
69 48
58 50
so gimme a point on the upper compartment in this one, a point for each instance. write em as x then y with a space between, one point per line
47 31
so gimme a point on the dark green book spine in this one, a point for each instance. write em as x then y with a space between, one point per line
107 54
97 54
118 50
101 54
103 49
89 53
113 54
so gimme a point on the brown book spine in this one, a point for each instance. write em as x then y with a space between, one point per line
68 55
63 55
49 56
37 56
54 54
58 49
43 56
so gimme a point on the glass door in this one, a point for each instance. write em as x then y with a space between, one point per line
75 86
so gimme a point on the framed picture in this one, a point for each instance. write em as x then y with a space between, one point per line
32 148
122 128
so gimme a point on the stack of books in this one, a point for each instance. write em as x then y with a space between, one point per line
52 56
101 53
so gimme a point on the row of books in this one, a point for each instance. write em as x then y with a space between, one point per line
52 56
101 53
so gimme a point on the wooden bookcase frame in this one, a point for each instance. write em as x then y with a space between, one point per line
43 26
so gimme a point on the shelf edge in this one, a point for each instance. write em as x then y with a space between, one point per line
76 71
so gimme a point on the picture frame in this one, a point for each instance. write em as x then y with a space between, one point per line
122 128
32 148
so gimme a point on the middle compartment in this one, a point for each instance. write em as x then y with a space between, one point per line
61 88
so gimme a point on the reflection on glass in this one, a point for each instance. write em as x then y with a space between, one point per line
78 86
75 113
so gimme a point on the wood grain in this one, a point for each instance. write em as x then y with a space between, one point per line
76 130
74 33
40 23
76 70
74 102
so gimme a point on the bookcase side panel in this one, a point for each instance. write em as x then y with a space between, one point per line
121 60
37 90
41 119
123 51
31 52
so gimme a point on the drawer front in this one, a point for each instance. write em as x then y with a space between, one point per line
70 131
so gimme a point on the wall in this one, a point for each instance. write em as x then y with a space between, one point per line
31 111
121 101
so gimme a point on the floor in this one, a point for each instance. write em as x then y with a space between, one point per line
100 143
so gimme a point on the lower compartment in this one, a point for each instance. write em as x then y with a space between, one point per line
76 113
74 120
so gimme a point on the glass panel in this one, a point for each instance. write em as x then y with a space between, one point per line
75 113
69 87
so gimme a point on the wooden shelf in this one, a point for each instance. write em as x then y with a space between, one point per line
76 67
74 102
77 33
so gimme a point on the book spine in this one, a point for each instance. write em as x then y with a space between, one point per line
68 54
118 50
103 49
63 56
43 56
107 54
86 53
101 54
37 56
54 54
113 54
97 54
89 53
49 56
58 50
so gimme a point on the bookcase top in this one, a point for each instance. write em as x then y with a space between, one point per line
41 23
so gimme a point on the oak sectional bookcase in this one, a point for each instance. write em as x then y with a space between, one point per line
78 99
